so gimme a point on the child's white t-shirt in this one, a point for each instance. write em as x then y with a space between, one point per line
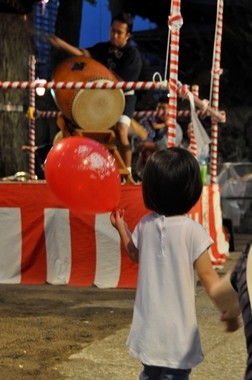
164 329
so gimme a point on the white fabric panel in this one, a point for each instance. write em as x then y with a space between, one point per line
108 253
58 245
222 244
11 245
196 217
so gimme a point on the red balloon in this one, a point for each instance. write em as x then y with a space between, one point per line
83 175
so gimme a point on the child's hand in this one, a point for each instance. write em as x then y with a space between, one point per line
116 218
232 324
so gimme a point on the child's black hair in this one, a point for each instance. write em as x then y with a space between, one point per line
171 182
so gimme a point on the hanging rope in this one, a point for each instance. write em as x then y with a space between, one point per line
167 47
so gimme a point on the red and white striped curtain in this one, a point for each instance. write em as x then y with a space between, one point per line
43 242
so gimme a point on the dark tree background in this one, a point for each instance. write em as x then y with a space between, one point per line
196 48
15 48
16 45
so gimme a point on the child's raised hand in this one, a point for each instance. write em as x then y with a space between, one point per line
117 218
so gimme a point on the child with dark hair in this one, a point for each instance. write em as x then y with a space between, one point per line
169 247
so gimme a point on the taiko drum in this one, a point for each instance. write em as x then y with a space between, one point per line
95 109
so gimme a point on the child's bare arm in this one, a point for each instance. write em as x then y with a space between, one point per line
225 297
205 271
117 221
222 294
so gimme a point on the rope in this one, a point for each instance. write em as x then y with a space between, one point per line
219 116
167 47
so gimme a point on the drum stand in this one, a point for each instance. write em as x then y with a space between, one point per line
106 138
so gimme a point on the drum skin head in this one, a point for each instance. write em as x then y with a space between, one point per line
94 109
97 109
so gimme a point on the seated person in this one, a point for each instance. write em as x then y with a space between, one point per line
156 135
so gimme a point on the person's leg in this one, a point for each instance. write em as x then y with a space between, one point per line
150 373
139 165
162 373
122 130
174 374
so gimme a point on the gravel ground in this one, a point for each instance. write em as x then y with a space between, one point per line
58 332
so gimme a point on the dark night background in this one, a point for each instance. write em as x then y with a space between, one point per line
195 60
21 19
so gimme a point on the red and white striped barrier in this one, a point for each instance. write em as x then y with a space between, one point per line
43 242
7 85
193 143
32 173
139 114
175 22
214 90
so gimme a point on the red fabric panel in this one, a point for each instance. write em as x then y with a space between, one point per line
33 263
219 257
83 249
132 202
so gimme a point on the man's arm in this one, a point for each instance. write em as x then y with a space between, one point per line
61 44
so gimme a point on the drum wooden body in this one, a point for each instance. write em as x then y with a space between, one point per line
89 109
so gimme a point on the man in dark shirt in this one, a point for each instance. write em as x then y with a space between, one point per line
125 61
239 282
